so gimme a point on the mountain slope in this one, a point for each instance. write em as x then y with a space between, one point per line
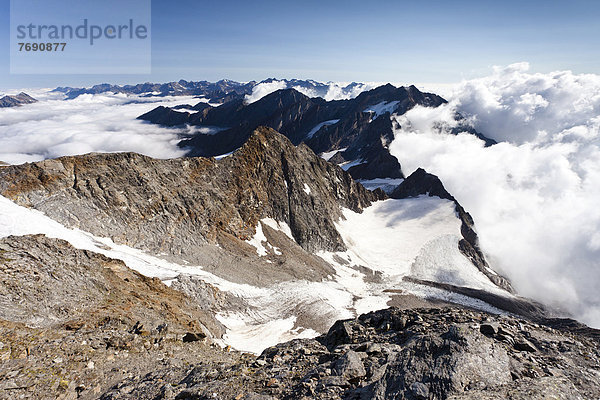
74 322
48 283
422 183
294 242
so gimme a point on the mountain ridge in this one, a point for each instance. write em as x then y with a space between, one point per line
220 91
207 212
213 197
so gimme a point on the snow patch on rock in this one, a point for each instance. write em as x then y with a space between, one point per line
319 126
381 108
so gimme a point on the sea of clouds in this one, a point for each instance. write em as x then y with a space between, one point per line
534 196
107 122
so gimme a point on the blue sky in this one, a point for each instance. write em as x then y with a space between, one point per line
398 41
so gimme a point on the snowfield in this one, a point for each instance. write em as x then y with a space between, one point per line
415 237
394 238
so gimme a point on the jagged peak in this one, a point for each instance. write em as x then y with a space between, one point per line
265 142
263 134
421 182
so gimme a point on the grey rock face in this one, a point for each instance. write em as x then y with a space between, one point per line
419 390
350 366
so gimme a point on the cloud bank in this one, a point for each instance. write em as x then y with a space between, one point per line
534 196
90 123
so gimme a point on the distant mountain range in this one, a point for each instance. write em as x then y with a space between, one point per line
219 92
16 100
222 91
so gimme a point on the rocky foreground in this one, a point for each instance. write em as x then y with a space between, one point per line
74 322
445 353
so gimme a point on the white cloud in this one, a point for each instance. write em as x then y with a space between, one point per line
342 91
516 106
90 123
262 89
535 195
